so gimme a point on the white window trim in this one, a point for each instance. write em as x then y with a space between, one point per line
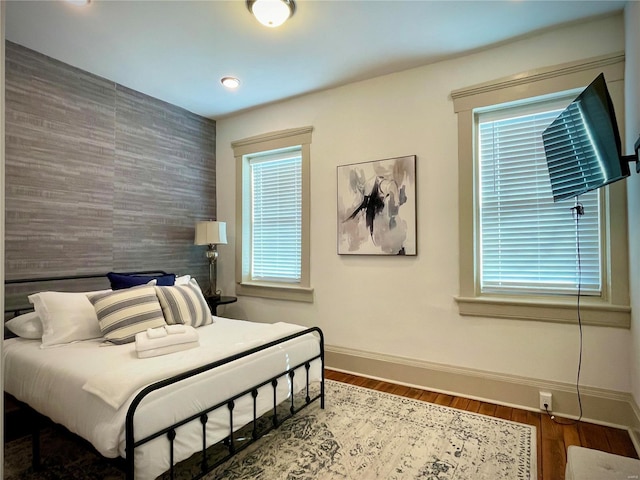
301 292
612 308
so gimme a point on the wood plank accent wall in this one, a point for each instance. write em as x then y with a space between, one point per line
100 177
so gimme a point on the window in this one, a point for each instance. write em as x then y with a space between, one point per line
272 257
528 242
512 261
276 209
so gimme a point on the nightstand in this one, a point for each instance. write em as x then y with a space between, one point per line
214 302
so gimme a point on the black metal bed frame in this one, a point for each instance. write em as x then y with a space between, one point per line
202 416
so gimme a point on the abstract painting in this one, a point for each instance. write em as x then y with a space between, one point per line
377 207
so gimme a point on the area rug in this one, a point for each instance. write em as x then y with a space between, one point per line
361 434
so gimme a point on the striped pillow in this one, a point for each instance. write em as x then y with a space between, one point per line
123 313
184 304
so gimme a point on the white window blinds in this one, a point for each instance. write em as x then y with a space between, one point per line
276 223
528 243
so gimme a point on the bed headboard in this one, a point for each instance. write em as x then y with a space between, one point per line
17 290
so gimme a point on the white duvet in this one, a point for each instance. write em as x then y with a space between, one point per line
88 387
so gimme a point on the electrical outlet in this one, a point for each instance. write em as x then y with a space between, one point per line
545 399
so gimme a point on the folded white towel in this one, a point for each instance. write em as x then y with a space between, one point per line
177 328
156 332
154 352
143 342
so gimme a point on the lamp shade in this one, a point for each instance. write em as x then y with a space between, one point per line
210 233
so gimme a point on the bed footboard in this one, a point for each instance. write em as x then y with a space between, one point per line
276 419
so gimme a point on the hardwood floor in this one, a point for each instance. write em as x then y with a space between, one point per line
553 438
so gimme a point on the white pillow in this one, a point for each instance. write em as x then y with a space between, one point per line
28 325
66 317
182 280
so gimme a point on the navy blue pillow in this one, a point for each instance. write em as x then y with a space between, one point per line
120 281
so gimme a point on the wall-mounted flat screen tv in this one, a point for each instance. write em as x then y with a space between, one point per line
582 145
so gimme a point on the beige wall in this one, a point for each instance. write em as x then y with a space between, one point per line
404 306
632 114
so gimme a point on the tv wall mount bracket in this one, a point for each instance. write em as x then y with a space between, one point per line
636 156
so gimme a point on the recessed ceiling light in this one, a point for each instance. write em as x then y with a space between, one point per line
230 82
80 3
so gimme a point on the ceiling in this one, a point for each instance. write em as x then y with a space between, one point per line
178 50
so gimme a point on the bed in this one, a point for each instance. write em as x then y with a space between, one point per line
155 412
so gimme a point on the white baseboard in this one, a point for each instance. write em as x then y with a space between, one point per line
634 428
600 406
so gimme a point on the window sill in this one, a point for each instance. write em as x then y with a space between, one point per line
276 291
561 310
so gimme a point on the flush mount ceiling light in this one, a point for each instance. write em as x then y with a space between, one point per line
230 82
80 3
272 13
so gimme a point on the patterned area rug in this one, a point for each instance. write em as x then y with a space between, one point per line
361 434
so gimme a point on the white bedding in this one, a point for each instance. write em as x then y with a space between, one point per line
123 377
58 383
